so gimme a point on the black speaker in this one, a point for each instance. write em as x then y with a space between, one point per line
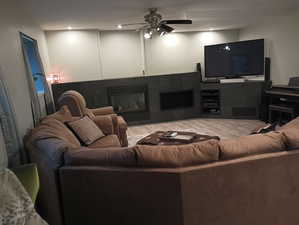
198 68
267 69
264 111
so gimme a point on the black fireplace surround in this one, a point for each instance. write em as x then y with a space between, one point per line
142 99
176 100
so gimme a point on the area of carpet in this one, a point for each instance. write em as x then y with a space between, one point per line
224 128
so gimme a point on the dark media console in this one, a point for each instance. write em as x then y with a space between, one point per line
232 100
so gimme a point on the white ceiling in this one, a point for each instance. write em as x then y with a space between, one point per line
106 14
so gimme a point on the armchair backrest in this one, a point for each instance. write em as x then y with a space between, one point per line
75 102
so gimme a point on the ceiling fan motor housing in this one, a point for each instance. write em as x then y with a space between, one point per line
153 18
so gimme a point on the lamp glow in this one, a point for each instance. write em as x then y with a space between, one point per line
53 78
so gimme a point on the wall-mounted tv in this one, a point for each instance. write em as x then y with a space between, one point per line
243 58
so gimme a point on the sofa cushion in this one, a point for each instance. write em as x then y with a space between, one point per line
177 155
101 157
292 124
251 145
63 115
54 149
52 128
86 130
106 141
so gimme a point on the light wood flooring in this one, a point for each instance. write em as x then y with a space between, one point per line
224 128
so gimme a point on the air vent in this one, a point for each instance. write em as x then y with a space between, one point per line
244 111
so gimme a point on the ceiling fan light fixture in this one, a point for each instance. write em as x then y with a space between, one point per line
147 35
163 33
155 25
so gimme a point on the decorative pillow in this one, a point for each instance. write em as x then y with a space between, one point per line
86 130
265 129
292 138
177 155
252 144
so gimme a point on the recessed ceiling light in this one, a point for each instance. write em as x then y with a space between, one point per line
69 28
119 26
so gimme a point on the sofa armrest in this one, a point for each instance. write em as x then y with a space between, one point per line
103 111
112 156
105 123
48 155
122 123
28 176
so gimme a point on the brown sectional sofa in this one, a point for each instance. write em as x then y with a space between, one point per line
146 185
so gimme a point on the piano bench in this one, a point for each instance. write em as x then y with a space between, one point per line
281 109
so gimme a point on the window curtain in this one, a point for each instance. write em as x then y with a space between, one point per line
10 145
3 154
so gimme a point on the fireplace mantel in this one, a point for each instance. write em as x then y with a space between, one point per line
98 94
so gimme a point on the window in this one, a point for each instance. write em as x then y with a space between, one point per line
41 98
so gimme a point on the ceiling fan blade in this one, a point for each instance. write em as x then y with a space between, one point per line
167 28
176 21
132 24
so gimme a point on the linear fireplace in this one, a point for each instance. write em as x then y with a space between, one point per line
176 100
130 101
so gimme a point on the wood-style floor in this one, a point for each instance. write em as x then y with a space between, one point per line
224 128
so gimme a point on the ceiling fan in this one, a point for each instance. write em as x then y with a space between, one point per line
154 24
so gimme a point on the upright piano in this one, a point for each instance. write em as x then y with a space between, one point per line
284 95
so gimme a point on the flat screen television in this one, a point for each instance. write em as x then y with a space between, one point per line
243 58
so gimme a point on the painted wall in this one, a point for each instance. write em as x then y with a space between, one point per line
126 54
179 52
282 36
121 54
13 20
75 54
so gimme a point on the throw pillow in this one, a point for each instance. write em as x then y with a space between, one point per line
86 130
252 145
177 155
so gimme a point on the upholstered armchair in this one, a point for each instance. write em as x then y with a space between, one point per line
77 105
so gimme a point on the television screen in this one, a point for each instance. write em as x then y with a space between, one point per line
243 58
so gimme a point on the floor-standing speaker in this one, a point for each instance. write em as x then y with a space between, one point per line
198 68
264 111
267 69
